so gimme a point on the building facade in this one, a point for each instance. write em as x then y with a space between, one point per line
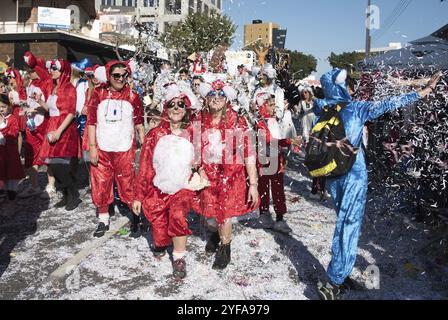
259 31
160 12
20 32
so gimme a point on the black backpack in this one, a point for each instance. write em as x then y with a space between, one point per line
329 153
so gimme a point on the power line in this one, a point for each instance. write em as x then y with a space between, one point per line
389 21
393 13
401 8
393 20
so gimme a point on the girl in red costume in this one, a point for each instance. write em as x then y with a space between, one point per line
62 140
164 189
233 178
114 113
17 98
37 121
11 171
271 174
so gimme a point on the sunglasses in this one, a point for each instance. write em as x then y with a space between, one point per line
179 104
54 68
219 93
118 76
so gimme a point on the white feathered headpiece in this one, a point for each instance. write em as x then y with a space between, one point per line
173 91
269 71
100 74
206 88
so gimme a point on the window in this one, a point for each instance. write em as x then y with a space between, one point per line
147 3
219 4
199 6
190 6
150 3
206 9
24 14
173 7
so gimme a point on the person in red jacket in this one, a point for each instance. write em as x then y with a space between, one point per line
164 189
114 113
271 174
62 140
17 97
37 121
11 171
230 167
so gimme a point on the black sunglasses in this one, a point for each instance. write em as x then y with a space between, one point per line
118 76
180 104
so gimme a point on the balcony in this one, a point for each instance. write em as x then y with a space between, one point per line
21 27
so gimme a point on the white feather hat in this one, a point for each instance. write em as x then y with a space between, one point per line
229 91
100 74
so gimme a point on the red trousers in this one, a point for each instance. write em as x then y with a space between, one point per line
118 166
276 184
168 215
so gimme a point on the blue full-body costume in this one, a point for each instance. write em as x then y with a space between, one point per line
349 192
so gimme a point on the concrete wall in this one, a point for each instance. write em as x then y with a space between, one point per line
6 49
8 12
48 50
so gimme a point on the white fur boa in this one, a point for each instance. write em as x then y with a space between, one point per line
172 162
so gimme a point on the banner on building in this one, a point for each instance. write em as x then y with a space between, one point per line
117 23
236 58
53 18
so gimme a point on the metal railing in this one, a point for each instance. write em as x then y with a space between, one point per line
21 27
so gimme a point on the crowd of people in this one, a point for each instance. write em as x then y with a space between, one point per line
209 143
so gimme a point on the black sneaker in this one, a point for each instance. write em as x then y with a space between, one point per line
213 243
159 252
329 291
222 257
72 204
101 230
63 202
11 195
123 208
179 269
352 285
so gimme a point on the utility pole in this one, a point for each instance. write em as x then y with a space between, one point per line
368 25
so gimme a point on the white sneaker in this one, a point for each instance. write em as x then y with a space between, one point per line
29 192
315 196
49 193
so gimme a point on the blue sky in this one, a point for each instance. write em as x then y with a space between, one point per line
320 26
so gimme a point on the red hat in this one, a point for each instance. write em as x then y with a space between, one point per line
30 59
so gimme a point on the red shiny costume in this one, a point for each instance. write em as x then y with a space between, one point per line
42 86
275 182
20 88
62 103
227 197
167 213
115 115
10 165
